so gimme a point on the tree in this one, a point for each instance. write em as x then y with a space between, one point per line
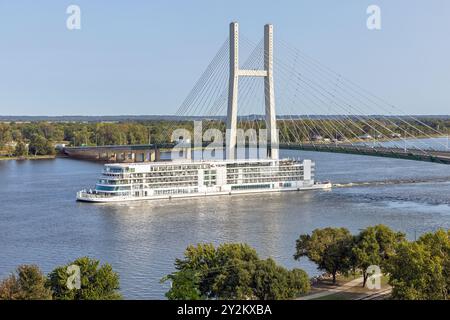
184 285
5 134
98 282
28 283
16 135
233 277
419 270
329 248
224 272
374 246
40 146
439 245
273 282
233 271
415 274
21 149
81 137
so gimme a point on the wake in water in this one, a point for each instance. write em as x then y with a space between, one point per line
411 193
391 182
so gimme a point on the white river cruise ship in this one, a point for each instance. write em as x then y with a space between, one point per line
179 179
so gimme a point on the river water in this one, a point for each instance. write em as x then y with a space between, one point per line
41 223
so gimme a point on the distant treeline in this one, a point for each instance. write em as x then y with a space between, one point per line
125 118
40 137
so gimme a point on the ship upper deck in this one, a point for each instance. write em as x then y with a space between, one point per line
194 162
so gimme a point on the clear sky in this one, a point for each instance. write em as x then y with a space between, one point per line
143 57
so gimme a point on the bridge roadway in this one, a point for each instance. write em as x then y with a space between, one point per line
377 151
148 153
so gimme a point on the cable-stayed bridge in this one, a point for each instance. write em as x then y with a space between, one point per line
318 109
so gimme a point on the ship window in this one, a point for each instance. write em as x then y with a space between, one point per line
247 187
111 188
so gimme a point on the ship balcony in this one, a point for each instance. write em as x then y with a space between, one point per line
85 194
93 194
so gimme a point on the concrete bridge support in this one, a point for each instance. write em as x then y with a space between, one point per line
233 88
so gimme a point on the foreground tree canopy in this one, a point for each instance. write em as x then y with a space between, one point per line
329 248
416 270
98 282
232 271
335 250
374 246
420 270
27 283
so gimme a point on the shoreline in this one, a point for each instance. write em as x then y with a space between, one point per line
46 157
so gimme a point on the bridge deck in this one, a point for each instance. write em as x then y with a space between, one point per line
104 152
399 153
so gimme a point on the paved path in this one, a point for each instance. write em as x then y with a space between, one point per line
379 295
326 292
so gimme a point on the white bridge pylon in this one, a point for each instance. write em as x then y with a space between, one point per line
233 89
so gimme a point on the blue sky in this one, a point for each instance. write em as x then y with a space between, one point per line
143 57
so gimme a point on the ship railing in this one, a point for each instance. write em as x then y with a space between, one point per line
91 194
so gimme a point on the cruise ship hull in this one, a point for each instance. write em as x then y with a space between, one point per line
316 186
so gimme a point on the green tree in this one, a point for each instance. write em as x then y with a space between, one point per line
415 274
27 283
329 248
5 134
21 149
439 245
225 272
81 137
16 135
40 146
420 270
234 271
137 134
273 282
184 285
98 282
374 246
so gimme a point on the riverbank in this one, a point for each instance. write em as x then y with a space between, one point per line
5 158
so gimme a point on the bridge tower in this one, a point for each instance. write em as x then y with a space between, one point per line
233 89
